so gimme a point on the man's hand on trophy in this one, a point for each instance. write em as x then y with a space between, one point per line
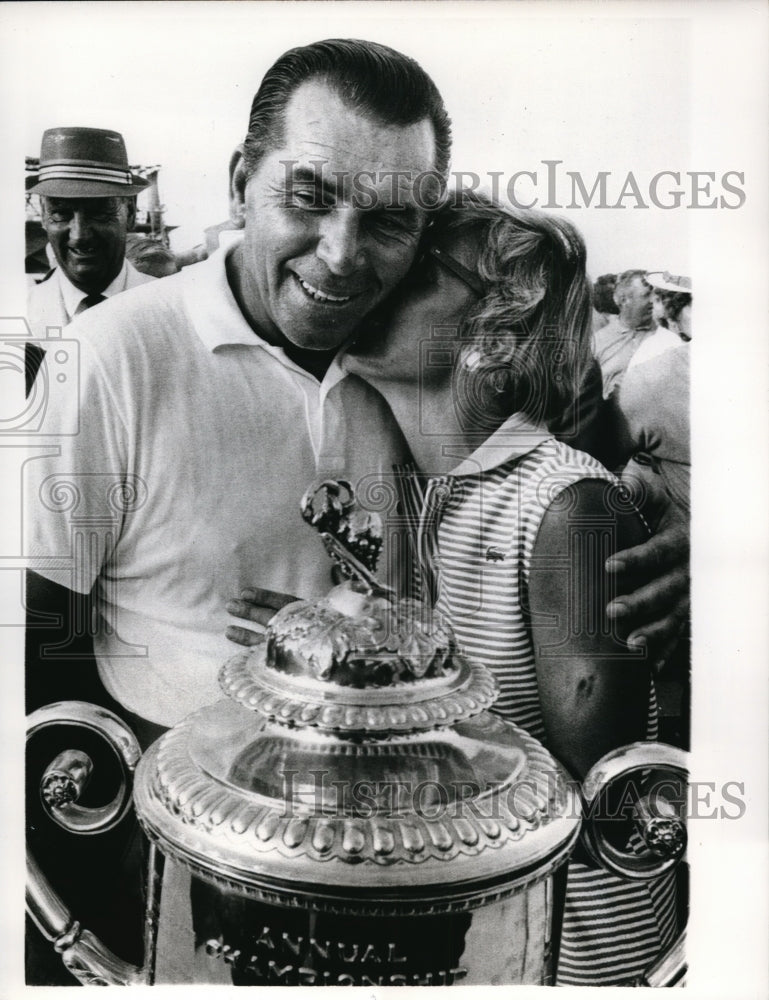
655 609
257 606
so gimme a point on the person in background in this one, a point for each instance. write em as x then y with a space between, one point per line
150 257
651 408
673 292
650 420
672 312
615 343
88 206
604 306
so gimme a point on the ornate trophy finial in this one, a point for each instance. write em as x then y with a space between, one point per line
352 536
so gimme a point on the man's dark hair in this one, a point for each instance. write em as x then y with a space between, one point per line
375 80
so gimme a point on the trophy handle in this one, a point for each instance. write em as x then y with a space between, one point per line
89 961
661 829
670 969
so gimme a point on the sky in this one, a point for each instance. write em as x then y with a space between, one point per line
620 88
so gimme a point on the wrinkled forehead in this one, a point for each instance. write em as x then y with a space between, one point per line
355 155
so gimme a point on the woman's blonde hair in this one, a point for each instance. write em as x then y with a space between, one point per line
525 346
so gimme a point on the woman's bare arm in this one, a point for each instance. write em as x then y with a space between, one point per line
593 689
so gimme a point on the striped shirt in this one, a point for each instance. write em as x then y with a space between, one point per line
475 534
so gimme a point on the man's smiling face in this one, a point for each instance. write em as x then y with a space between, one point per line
88 236
332 219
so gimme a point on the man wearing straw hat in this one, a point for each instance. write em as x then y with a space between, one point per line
88 205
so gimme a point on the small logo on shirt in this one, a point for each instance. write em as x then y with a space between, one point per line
493 554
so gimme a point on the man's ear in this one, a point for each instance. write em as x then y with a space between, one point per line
237 194
130 214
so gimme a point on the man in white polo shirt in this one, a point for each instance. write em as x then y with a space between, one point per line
210 400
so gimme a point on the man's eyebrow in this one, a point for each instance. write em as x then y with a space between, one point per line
300 173
409 215
308 175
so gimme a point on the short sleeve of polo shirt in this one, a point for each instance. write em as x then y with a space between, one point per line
77 489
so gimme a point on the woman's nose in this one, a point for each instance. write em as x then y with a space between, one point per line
339 246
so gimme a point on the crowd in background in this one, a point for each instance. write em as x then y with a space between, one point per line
642 331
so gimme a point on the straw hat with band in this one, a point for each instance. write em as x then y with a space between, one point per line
84 163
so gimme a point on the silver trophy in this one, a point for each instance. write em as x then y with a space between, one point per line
352 812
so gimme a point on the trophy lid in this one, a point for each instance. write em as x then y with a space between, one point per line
354 766
359 660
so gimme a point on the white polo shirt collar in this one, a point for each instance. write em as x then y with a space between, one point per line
516 437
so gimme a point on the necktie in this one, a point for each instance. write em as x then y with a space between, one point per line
88 301
33 358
